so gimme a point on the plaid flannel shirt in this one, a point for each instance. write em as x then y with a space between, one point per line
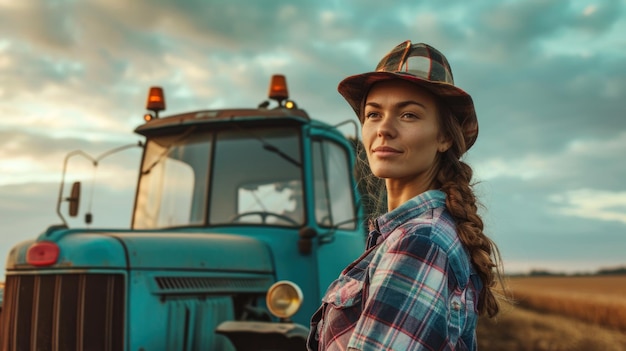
415 289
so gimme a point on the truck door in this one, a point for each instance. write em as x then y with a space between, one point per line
341 233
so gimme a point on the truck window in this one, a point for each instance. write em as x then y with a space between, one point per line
257 178
334 197
173 185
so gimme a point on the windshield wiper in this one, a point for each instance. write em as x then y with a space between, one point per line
269 147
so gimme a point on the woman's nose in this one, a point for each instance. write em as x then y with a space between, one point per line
386 128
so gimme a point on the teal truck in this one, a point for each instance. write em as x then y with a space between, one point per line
242 217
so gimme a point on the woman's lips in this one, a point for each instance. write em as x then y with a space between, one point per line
383 151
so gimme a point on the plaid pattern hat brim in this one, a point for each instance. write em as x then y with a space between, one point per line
425 66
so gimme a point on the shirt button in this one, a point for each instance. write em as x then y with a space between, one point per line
456 306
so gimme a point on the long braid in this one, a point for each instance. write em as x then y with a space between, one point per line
454 177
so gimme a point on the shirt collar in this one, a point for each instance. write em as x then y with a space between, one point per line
412 208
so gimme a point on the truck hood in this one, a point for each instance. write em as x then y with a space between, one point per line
85 249
214 251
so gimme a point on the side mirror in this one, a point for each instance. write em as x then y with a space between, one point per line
74 199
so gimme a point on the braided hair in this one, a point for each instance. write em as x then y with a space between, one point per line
454 177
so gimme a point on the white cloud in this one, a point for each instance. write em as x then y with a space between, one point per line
24 170
598 147
590 10
591 204
570 163
526 168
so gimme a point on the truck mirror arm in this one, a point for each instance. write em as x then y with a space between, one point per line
329 236
356 127
74 199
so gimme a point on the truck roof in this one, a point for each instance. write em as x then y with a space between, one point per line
221 116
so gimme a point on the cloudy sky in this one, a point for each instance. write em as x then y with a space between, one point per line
548 79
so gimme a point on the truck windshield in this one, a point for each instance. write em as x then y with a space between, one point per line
253 176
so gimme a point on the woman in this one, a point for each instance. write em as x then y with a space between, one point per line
428 271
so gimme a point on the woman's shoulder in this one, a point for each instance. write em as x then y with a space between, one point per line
437 225
437 229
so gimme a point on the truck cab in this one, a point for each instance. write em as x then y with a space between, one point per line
242 218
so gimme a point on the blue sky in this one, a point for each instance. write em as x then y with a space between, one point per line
548 79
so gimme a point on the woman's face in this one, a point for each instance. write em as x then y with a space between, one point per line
401 131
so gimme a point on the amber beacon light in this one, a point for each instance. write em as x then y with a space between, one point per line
155 103
278 88
279 93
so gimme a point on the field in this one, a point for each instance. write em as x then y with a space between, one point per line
558 314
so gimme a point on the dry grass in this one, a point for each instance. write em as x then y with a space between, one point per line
600 300
609 285
516 329
559 314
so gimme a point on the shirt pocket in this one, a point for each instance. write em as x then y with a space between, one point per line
344 292
342 310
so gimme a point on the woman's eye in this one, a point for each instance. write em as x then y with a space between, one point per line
371 115
409 115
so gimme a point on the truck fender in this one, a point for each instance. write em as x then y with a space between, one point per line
248 336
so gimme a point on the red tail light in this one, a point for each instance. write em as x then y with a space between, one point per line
42 253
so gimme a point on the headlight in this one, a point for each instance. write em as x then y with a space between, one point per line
283 299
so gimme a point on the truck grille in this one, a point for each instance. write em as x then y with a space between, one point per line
63 312
211 285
